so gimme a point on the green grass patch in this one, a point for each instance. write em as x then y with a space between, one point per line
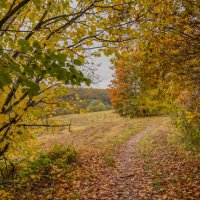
122 137
156 182
146 145
109 160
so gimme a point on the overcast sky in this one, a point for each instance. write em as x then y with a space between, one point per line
104 72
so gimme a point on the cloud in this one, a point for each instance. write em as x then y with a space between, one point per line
104 72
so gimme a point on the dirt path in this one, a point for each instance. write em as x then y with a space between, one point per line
163 172
128 180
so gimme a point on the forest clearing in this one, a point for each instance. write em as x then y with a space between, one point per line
99 130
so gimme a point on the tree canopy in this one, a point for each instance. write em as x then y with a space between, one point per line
44 46
162 66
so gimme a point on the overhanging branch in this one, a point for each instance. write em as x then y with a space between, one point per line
43 125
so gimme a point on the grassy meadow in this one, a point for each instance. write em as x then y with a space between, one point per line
100 130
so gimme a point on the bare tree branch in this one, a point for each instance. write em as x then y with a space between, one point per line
12 12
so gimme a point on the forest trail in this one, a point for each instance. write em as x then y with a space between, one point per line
128 179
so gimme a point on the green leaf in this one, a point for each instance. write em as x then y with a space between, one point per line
25 46
36 45
72 69
4 79
61 57
87 81
15 67
24 90
34 88
143 25
77 62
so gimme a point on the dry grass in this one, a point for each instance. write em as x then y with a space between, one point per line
100 130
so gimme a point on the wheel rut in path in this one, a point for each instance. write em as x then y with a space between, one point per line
128 178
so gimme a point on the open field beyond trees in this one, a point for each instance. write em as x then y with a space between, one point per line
100 130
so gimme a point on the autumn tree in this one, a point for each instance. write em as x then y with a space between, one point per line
124 88
130 96
165 58
44 46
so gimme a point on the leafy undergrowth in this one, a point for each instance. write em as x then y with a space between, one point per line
173 172
37 179
60 174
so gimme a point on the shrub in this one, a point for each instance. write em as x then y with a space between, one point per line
97 105
57 163
7 169
189 125
59 156
65 155
109 160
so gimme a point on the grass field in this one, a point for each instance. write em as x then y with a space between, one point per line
100 130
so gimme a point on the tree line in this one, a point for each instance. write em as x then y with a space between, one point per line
86 100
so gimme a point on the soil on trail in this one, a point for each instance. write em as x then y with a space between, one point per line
128 180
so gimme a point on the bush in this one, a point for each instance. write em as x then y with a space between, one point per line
189 125
58 163
97 105
59 156
7 169
65 155
109 160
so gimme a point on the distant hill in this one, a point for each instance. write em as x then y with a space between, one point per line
88 100
94 94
